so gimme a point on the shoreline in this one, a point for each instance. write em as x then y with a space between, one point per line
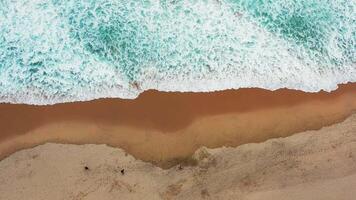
319 164
167 127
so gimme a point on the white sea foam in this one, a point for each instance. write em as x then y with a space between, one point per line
53 52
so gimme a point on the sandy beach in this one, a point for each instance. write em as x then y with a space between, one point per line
167 127
177 100
312 165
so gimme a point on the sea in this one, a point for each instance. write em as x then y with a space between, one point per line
55 51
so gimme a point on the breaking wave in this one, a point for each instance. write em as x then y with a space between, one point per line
54 51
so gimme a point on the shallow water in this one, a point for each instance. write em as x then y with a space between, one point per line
57 51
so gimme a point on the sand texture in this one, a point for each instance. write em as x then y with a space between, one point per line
309 165
166 127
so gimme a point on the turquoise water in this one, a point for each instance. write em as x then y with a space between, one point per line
310 24
55 51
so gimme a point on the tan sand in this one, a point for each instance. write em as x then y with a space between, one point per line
313 165
164 127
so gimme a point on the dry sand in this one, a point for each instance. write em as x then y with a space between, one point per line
313 165
165 128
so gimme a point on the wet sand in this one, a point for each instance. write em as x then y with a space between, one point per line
312 165
166 127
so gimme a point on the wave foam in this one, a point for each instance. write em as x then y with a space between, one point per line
54 51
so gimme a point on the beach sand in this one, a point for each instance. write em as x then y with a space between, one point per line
312 165
167 127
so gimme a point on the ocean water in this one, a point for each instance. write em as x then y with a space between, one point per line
54 51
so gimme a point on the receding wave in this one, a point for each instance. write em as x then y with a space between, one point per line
55 51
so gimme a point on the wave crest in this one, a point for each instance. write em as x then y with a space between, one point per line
54 51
